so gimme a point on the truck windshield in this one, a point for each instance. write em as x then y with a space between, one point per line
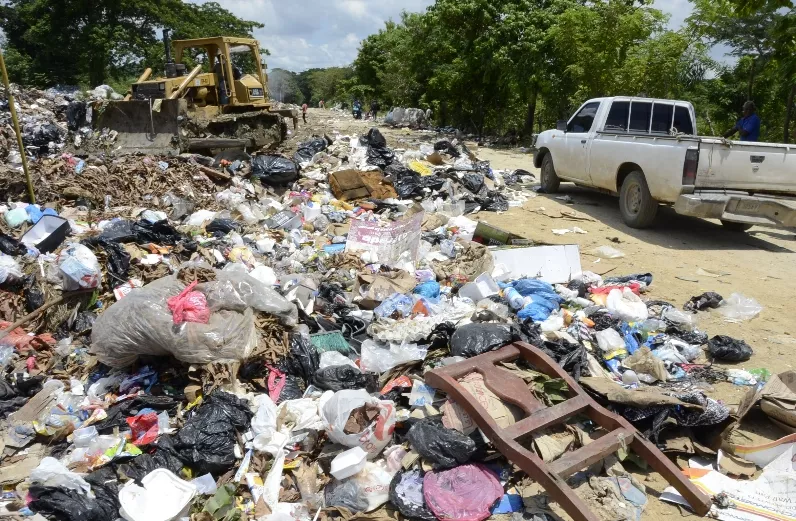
584 119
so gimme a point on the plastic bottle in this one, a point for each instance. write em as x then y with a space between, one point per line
516 301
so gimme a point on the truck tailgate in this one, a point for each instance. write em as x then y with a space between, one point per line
751 167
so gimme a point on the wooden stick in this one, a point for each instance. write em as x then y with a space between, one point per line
215 174
47 305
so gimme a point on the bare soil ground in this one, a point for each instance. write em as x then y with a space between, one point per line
758 263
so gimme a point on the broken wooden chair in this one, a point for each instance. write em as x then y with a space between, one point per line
552 475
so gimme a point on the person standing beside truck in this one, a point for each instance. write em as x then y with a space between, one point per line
748 126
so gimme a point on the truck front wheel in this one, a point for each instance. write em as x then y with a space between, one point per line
635 201
550 181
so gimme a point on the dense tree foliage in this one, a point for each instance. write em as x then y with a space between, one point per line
92 41
516 66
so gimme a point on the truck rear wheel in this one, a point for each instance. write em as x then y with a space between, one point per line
550 181
635 201
735 227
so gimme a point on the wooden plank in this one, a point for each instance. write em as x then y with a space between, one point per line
214 174
572 462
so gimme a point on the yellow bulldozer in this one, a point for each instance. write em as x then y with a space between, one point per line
221 103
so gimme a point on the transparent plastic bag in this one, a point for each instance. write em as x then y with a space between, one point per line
739 308
141 324
336 411
379 359
10 269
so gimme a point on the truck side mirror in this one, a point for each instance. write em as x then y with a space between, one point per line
561 125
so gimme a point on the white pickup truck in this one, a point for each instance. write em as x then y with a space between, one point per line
647 151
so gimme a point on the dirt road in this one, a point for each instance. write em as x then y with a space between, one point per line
680 252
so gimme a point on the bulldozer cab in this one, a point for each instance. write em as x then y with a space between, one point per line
232 67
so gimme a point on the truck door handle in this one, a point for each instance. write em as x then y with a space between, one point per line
582 141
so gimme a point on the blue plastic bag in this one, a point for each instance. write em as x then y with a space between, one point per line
427 289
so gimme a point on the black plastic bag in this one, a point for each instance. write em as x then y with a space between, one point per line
446 447
163 457
473 182
207 441
381 157
338 377
406 494
160 232
447 147
11 246
708 300
729 349
307 150
76 115
440 336
221 227
408 186
646 278
43 135
34 296
119 230
303 359
495 202
274 170
118 267
70 505
374 138
292 390
476 339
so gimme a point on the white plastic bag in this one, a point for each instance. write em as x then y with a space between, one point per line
163 497
608 252
52 473
79 268
740 307
376 358
337 409
264 420
10 269
627 305
200 217
334 358
609 340
685 321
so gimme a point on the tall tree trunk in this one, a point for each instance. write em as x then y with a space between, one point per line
788 112
531 114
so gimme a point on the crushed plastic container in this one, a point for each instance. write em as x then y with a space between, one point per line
483 286
348 463
163 497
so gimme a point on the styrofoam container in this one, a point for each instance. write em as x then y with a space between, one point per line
483 286
163 497
49 233
348 463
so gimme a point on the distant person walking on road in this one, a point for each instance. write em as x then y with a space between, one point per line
321 105
748 126
374 109
304 109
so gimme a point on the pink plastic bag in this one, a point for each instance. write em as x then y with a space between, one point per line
464 493
189 306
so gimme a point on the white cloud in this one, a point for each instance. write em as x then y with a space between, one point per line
304 34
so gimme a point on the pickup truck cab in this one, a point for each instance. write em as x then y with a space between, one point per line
647 152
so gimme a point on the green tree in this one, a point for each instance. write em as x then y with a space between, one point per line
92 40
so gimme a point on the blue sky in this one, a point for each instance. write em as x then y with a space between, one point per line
302 34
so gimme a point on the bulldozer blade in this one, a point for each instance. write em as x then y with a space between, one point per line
142 127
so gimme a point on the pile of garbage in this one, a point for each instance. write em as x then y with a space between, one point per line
45 119
252 343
